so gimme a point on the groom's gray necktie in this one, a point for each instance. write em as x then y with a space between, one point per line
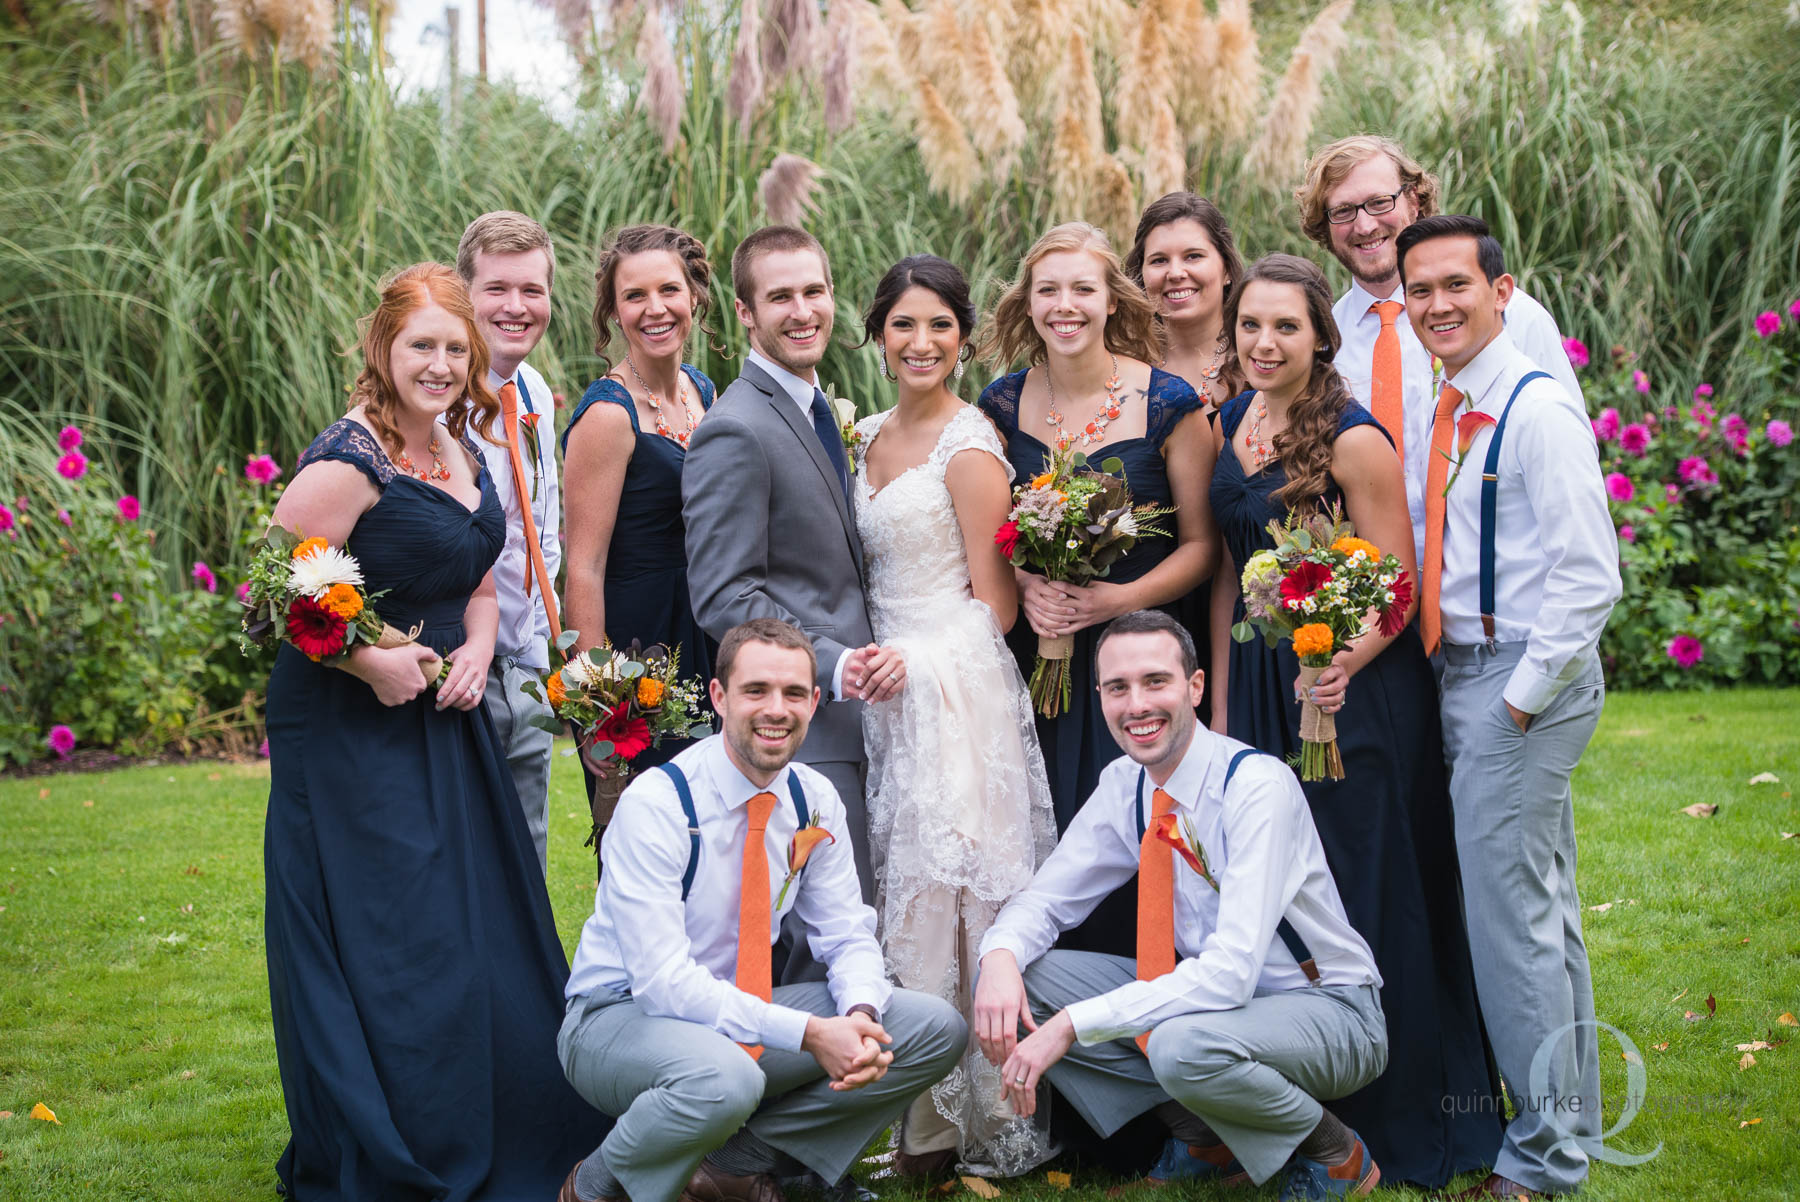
825 426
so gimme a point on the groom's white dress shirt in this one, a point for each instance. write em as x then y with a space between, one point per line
679 960
1533 331
1263 850
1556 555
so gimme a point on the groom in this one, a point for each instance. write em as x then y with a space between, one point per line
765 495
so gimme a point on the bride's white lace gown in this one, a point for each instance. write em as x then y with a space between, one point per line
959 804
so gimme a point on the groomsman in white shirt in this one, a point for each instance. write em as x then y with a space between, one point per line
506 259
1359 193
720 1082
1519 573
1257 997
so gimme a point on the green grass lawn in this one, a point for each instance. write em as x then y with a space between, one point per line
133 1000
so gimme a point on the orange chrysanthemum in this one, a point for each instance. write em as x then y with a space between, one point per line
1350 545
1312 639
308 546
553 689
342 600
650 692
1041 481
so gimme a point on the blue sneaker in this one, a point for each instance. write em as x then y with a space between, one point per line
1308 1179
1182 1161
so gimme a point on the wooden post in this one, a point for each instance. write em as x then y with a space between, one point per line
481 39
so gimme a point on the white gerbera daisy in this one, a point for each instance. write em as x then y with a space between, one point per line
315 574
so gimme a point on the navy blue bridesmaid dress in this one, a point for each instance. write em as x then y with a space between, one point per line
1077 743
1389 839
646 587
415 973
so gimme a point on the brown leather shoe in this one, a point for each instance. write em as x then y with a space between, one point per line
1495 1186
567 1192
708 1184
932 1167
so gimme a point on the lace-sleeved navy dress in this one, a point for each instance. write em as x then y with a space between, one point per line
415 973
1390 842
1076 743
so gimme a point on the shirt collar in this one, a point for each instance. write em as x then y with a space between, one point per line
496 382
734 788
801 390
1361 298
1478 375
1192 778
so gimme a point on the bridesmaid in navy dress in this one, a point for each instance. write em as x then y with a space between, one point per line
415 974
1295 441
623 449
1082 324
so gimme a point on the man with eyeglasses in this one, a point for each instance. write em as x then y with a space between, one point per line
1359 193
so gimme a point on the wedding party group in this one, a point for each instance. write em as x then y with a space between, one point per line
906 887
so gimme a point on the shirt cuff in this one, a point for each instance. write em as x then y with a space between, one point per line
837 676
872 994
784 1028
1529 690
1093 1020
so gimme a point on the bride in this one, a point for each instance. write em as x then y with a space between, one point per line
959 804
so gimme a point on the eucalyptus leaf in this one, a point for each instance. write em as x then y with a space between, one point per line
1113 465
555 726
1302 539
566 639
700 730
602 749
1242 632
631 670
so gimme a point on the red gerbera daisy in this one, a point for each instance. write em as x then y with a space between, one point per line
1305 580
314 629
1393 618
630 737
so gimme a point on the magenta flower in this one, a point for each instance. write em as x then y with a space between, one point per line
243 593
1577 352
205 576
1627 534
6 519
1794 309
128 508
68 438
118 597
1696 472
1734 423
61 740
1767 322
72 466
1686 650
1672 494
1640 381
1703 412
1702 391
1606 426
1619 487
264 749
1635 439
1779 432
261 469
62 515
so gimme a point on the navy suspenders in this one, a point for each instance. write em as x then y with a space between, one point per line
1490 504
1290 938
693 817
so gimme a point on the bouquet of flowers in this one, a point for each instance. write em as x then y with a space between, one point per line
1071 523
1321 587
625 701
309 593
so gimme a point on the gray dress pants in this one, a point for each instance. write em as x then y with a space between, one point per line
527 747
1515 836
680 1090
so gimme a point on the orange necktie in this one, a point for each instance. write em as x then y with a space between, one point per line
1387 400
1442 432
534 552
1155 902
753 910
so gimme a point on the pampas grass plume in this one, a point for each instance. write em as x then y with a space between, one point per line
744 93
1165 158
941 45
882 79
1072 158
664 95
786 189
997 130
1081 91
1113 206
1144 82
1520 17
904 26
1237 82
1040 31
840 67
788 36
1279 151
950 161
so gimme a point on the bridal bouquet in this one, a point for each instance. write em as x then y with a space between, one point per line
1071 523
626 701
1322 588
310 593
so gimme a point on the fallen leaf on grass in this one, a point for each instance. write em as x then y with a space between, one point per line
1756 1045
187 1075
1790 834
981 1187
1748 1061
1700 809
191 870
88 805
5 1114
1748 1123
1661 1047
43 795
189 909
1690 1016
1788 1020
43 1112
1765 778
1679 996
1059 1180
1744 940
1602 908
1712 1007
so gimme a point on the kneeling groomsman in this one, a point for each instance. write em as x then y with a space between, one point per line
1251 997
719 1082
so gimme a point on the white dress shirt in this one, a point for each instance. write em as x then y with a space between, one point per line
801 393
1556 557
679 960
1263 850
1533 331
524 632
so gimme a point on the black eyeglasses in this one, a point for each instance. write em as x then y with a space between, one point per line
1375 206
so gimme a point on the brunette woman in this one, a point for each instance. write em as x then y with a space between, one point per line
1186 260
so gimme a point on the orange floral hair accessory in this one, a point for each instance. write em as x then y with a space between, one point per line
309 546
342 600
1312 639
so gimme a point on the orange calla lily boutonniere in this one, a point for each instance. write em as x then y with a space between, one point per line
1467 427
800 849
528 429
1177 833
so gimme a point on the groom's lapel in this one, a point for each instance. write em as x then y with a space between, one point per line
789 412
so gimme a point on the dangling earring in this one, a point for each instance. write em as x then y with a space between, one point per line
881 354
962 357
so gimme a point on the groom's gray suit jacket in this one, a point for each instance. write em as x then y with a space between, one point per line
770 535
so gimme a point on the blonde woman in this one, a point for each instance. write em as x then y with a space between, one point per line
1089 336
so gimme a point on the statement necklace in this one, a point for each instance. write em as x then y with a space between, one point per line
1095 430
1262 450
662 422
437 471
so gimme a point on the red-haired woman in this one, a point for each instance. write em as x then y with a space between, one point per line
415 976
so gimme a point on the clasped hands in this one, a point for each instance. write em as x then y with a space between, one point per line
1056 607
874 673
849 1049
1000 1007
